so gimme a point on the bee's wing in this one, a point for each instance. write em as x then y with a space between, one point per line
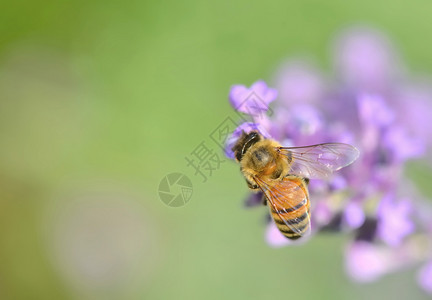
287 199
319 161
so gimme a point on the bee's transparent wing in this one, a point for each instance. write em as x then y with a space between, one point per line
288 200
319 161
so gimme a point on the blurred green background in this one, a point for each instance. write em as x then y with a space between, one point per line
101 99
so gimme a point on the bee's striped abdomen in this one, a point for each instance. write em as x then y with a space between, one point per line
289 207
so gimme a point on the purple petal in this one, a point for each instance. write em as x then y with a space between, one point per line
264 92
322 215
274 237
252 101
354 215
425 277
414 108
338 183
306 119
402 145
394 222
299 82
236 95
341 134
304 125
374 111
366 262
254 199
365 58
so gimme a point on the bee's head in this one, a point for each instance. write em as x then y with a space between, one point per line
244 143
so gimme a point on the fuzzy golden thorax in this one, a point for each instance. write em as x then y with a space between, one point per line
263 159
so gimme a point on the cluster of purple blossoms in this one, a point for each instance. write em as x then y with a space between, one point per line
370 103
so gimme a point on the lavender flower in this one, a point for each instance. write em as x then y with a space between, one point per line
386 114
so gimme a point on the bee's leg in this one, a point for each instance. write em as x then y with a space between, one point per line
264 200
306 180
252 185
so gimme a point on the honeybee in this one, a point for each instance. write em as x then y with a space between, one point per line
282 174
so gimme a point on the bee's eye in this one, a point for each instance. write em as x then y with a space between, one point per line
251 139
